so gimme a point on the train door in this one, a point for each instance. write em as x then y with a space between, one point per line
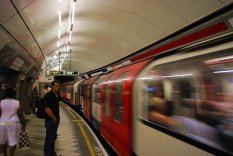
80 103
96 103
77 93
72 94
107 112
88 101
82 94
77 99
121 114
89 97
68 92
85 111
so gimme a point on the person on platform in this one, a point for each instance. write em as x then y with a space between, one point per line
52 119
11 122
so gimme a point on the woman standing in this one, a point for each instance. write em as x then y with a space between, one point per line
11 122
35 99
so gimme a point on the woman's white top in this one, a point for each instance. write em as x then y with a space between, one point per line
9 109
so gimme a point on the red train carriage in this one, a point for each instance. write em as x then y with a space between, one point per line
116 89
169 102
86 92
70 92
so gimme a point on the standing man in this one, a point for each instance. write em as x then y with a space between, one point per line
52 118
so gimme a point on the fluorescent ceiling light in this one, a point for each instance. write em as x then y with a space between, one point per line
145 78
70 36
180 75
59 34
224 71
219 59
59 15
73 11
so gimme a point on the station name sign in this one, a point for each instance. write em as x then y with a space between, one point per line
63 72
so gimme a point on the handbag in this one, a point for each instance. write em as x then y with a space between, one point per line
23 139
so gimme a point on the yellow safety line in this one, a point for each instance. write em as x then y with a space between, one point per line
78 121
88 142
89 145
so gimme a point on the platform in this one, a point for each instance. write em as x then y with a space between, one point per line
75 138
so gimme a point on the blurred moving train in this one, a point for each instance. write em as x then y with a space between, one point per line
178 103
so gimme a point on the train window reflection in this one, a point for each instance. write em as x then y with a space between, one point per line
193 97
96 90
107 95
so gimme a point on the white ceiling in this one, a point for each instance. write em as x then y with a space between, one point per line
104 30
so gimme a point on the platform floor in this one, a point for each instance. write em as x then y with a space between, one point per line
74 137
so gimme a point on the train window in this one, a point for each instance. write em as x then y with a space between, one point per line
81 90
107 95
192 96
118 102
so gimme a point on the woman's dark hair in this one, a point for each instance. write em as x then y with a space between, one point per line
10 92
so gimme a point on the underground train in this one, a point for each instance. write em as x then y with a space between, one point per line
151 105
174 103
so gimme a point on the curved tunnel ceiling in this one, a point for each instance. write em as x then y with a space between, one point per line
103 31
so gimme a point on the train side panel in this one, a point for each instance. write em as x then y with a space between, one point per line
184 99
87 97
116 107
77 93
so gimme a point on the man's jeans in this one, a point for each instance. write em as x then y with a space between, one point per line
51 135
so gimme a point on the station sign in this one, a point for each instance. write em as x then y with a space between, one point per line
72 72
62 72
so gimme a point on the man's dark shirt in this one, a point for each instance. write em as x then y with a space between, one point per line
52 101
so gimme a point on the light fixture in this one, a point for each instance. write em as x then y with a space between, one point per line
179 75
59 15
59 34
70 36
223 71
67 48
73 11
